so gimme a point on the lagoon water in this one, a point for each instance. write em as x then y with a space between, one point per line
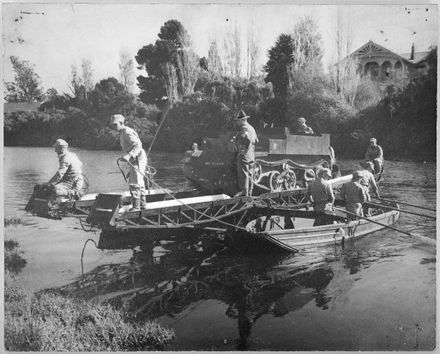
377 293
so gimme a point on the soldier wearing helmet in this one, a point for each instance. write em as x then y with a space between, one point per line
134 154
354 195
320 193
68 181
374 154
302 127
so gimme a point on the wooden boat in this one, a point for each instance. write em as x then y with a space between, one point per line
291 230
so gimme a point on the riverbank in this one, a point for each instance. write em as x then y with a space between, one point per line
424 159
48 321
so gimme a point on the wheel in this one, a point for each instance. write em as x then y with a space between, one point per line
289 181
275 183
256 175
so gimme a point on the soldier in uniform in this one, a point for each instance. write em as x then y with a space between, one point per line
244 142
68 181
320 192
134 154
303 128
374 154
354 195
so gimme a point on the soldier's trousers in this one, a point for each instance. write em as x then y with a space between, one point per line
244 176
136 183
70 188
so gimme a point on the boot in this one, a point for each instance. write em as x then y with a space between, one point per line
143 203
136 204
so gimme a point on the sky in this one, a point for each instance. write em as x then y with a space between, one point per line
53 36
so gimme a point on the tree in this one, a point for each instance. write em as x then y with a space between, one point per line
214 61
81 83
306 44
27 83
280 57
170 61
232 51
126 70
252 51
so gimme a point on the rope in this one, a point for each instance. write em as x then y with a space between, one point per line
82 253
158 129
82 226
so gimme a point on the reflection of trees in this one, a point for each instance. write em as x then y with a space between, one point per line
165 278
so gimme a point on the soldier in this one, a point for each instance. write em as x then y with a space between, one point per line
354 195
244 142
134 154
320 192
68 181
303 128
374 154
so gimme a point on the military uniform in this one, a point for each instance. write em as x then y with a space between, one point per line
323 197
245 141
368 180
354 194
68 180
132 145
375 154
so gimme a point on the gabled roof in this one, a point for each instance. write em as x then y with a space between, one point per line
418 56
373 49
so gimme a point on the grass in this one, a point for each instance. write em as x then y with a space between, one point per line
48 321
12 221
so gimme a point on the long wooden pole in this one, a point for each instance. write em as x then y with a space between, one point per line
419 237
398 202
404 211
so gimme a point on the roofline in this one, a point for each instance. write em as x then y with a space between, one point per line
388 50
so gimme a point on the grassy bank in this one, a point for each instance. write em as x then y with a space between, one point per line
47 321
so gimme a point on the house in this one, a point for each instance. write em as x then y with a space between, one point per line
383 65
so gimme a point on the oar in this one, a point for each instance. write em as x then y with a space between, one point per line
402 211
398 202
419 237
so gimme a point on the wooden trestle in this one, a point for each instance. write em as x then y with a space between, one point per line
229 213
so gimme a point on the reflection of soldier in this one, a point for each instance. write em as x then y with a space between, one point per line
245 140
68 180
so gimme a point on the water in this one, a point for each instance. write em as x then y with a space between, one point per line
377 293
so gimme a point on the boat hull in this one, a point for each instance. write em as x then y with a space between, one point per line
338 233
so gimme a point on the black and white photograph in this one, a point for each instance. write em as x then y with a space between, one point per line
219 176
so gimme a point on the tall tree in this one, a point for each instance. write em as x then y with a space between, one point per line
306 44
252 50
280 57
232 51
170 61
126 69
214 60
81 83
26 85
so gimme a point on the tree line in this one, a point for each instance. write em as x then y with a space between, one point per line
191 96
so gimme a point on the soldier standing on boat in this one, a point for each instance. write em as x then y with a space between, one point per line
244 142
368 181
320 192
354 195
374 154
68 181
136 157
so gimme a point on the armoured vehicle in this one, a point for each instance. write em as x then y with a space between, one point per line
284 161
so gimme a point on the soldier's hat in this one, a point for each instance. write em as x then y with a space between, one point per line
60 142
373 140
117 118
367 165
301 120
241 115
325 172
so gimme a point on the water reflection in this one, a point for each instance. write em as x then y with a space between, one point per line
166 277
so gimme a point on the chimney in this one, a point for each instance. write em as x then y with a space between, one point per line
412 52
